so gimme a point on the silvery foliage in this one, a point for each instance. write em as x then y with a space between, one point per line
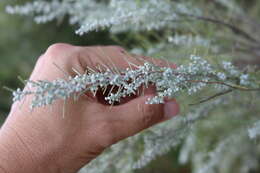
169 82
254 131
234 144
212 141
209 162
119 14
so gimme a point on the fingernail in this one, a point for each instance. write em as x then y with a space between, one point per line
171 108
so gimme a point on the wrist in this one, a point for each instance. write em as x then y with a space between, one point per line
15 155
22 150
29 144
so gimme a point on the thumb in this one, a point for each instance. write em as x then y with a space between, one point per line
136 115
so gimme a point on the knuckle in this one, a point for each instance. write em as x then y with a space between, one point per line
61 54
108 135
57 49
40 59
147 115
115 47
151 114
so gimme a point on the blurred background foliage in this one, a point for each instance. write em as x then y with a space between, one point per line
22 42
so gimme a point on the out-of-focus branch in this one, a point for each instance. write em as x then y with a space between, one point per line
233 28
212 97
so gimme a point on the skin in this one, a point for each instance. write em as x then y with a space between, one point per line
43 140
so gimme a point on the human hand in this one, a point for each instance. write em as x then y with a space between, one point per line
45 141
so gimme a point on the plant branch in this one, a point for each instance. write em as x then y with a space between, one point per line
212 97
233 28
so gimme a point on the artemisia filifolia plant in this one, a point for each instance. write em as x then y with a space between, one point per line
169 82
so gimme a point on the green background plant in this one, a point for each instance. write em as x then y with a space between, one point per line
22 42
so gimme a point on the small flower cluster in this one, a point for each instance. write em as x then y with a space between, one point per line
169 82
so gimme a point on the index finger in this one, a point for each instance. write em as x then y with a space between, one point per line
115 57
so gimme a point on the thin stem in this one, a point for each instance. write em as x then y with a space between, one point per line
238 87
233 28
212 97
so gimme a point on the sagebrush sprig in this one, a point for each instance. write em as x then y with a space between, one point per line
221 135
169 82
